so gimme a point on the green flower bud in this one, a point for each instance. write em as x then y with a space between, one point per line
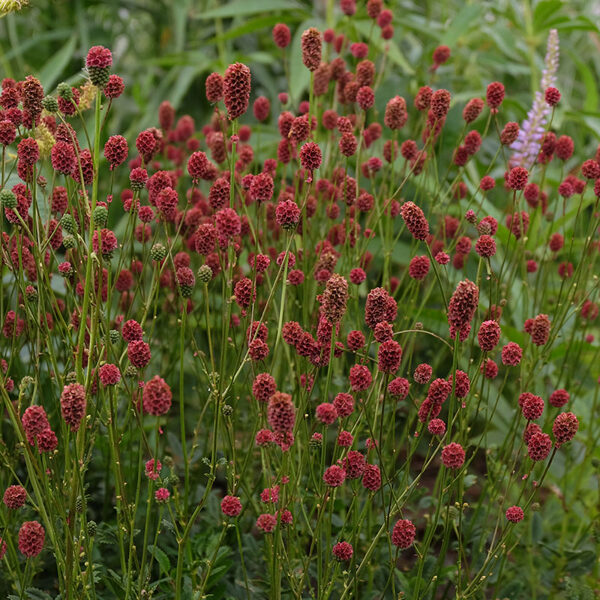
158 252
65 91
205 273
69 242
100 216
91 528
68 223
50 103
8 198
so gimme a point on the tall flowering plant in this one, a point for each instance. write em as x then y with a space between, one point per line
327 366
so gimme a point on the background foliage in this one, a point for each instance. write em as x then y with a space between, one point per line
165 49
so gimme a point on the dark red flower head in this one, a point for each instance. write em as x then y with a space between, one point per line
310 156
495 95
311 48
73 404
415 220
236 90
98 62
156 396
463 304
440 55
281 35
31 538
281 413
403 534
214 87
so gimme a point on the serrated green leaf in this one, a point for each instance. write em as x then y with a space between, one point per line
161 558
35 594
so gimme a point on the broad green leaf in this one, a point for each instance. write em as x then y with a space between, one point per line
242 7
180 17
589 80
544 12
184 80
468 18
53 69
580 23
57 34
421 25
250 26
389 46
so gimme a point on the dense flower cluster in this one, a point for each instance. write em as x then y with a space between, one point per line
284 276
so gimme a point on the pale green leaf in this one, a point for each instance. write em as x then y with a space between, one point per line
54 67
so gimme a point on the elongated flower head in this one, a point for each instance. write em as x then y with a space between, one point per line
236 90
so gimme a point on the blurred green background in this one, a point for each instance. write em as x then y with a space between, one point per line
165 49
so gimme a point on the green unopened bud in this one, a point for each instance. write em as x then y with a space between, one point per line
50 103
91 528
315 442
100 215
158 252
227 410
69 242
114 336
131 372
26 382
65 91
8 199
68 223
205 273
99 76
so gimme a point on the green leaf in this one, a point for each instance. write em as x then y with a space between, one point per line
544 12
185 78
53 69
537 528
393 51
589 80
242 7
161 558
470 480
581 23
35 594
467 19
57 34
249 26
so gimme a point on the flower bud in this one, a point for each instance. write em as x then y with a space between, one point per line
50 104
158 252
8 199
205 273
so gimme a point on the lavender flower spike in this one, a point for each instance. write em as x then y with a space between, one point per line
527 145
